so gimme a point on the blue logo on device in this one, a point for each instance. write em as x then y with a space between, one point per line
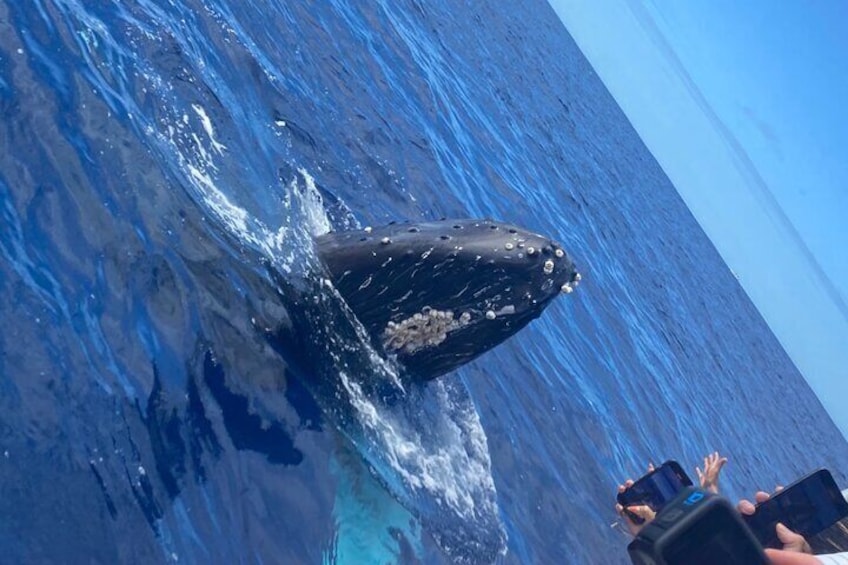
694 498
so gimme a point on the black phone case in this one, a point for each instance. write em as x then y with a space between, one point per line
763 528
634 495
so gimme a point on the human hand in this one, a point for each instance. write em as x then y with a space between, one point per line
712 468
642 513
792 541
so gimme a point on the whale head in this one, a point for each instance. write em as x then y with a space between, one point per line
438 294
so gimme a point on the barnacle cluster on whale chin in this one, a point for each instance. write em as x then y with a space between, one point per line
427 328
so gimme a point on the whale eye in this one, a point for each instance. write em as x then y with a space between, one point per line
414 230
444 237
457 227
494 227
513 230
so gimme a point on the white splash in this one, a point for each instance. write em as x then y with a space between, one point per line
207 127
195 156
452 464
312 204
445 456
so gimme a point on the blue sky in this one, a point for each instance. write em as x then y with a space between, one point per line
745 106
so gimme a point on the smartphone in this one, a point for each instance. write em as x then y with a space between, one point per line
808 506
656 488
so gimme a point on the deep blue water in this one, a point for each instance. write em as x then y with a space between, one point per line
178 385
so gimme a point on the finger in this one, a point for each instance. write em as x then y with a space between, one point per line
746 507
779 557
761 496
650 467
643 511
778 488
628 483
792 541
786 535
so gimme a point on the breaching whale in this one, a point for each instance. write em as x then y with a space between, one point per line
438 294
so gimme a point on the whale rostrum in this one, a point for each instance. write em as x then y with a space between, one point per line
438 294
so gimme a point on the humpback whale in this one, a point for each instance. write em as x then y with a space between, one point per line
436 295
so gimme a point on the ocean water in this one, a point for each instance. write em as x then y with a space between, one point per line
179 384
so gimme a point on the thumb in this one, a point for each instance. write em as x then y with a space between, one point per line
791 541
644 512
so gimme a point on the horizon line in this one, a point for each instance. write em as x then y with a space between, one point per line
742 160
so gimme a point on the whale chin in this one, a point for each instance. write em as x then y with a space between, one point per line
436 295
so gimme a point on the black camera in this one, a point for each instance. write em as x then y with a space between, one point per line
696 528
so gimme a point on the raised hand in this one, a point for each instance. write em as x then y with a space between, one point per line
712 469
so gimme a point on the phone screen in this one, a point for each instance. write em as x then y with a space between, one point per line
808 507
657 487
